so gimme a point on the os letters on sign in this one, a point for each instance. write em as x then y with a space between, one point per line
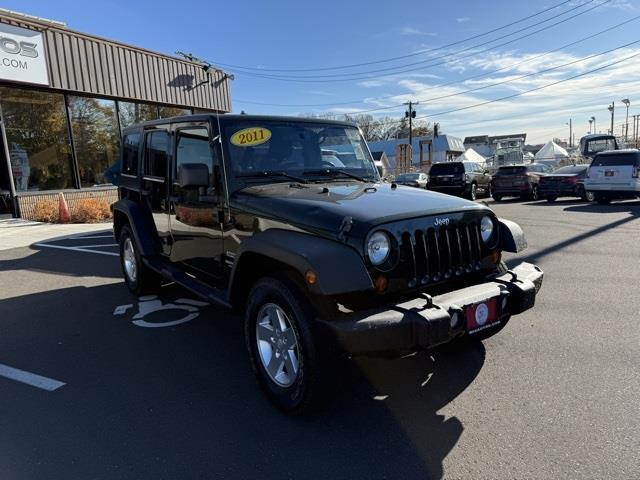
22 56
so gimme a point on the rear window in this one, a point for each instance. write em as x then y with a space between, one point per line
408 176
621 159
446 169
577 169
511 171
595 146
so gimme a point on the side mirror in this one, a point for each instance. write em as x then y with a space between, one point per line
193 175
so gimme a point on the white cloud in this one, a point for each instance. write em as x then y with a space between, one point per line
415 31
462 19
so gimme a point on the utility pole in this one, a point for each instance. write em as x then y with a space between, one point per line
612 109
590 123
410 113
635 130
570 134
593 119
627 102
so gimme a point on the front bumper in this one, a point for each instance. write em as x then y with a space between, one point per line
426 322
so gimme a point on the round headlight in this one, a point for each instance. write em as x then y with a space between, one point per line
378 248
486 229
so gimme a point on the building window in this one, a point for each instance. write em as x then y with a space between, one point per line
95 137
38 140
166 112
131 113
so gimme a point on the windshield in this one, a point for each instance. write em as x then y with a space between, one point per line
577 169
281 150
595 146
446 169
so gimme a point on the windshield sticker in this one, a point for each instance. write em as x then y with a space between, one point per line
250 137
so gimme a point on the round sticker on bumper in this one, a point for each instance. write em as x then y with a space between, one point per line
482 314
250 137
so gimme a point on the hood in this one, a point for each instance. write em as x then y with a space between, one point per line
322 207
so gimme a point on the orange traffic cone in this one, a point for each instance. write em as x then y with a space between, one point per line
64 216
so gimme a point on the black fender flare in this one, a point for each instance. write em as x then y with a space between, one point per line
338 267
142 226
512 237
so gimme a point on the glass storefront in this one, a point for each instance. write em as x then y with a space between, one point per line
96 138
39 142
131 113
37 139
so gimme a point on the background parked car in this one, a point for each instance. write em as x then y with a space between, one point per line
518 181
467 179
565 182
614 175
417 179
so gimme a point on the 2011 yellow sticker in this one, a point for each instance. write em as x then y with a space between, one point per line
249 137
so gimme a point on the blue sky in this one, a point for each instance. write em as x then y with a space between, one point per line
304 35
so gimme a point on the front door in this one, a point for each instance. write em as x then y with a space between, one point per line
155 182
195 226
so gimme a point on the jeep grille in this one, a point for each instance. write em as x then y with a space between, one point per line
440 253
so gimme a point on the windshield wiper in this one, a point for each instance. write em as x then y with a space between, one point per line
273 173
342 172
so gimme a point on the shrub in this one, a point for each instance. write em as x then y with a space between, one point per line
45 211
90 210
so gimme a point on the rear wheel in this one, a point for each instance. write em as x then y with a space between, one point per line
602 199
496 196
588 196
279 339
551 199
139 278
534 193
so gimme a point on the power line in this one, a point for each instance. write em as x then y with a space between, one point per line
472 49
483 74
400 57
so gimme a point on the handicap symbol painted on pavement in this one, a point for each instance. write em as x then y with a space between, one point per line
151 304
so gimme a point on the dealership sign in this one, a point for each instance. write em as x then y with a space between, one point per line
22 55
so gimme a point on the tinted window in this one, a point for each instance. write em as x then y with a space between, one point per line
511 171
447 169
623 159
192 146
130 146
156 154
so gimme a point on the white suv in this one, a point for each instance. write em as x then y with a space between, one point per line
614 174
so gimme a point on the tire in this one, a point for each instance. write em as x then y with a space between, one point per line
551 199
292 391
588 196
139 278
473 192
488 191
602 199
496 196
534 193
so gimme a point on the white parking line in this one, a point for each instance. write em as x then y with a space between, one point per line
76 249
29 378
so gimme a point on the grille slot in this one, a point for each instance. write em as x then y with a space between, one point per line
436 254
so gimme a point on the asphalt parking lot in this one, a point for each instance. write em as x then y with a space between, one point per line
120 387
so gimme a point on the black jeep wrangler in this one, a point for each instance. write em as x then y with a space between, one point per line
287 221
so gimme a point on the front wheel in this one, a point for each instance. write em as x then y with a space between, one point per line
588 196
473 192
602 199
280 343
551 199
534 193
497 197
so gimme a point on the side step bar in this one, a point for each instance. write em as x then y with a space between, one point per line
195 286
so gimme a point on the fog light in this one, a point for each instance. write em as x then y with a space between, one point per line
455 318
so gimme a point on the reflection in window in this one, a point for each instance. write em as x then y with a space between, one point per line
131 113
156 154
95 137
166 112
37 138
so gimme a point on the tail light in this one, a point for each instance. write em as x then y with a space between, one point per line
636 172
570 180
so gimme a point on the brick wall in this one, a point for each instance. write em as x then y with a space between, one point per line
27 201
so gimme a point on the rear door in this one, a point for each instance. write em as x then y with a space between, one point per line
155 180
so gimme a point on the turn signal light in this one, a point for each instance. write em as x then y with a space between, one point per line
380 283
311 277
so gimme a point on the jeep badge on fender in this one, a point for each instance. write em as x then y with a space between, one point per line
287 222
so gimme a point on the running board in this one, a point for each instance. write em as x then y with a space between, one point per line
173 274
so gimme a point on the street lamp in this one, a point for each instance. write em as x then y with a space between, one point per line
590 123
626 123
593 119
612 109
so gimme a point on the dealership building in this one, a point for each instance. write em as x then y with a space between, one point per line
65 97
